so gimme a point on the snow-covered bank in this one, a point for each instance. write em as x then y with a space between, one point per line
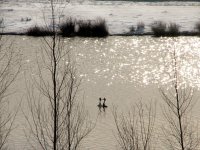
120 16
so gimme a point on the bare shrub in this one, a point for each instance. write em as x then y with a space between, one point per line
132 29
197 27
173 29
99 28
159 28
67 28
84 29
1 24
96 28
39 31
135 130
140 25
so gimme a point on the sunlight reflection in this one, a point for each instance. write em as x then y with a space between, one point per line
141 60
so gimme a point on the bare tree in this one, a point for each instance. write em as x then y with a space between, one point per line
58 120
135 130
181 132
9 69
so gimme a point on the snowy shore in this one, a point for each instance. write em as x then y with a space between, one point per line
119 15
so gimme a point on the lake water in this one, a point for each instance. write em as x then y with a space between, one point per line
122 69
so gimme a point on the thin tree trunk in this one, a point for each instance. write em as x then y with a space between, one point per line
178 104
55 101
54 78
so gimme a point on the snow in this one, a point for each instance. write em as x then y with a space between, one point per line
120 15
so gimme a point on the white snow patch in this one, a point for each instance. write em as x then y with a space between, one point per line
120 15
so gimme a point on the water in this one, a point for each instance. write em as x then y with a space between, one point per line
125 70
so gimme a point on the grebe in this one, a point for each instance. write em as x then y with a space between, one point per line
104 102
99 105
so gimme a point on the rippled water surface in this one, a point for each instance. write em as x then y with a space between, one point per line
122 69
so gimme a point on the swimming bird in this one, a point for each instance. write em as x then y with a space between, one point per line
99 105
104 102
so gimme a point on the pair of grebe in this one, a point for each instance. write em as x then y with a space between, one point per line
104 102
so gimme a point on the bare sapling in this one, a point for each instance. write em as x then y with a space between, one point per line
10 65
58 119
181 131
135 130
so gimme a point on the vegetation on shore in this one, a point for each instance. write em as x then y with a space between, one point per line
160 28
98 28
67 28
39 31
72 27
197 27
